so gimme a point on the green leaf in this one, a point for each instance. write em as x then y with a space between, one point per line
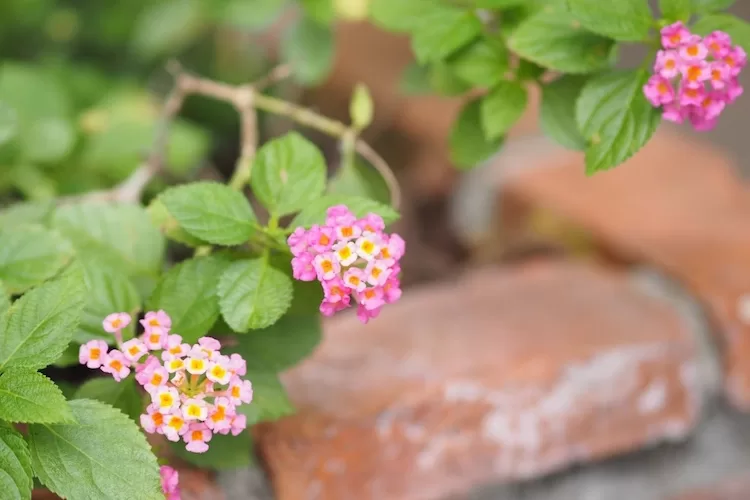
40 324
309 48
224 452
615 118
315 212
168 225
710 6
4 300
29 396
468 146
30 212
502 108
359 179
361 107
289 340
30 255
32 182
737 28
122 395
8 122
399 15
288 174
554 40
320 10
187 292
254 15
48 140
623 20
16 476
270 401
168 27
211 211
442 30
415 80
108 290
444 81
676 10
69 357
102 455
482 63
558 117
120 235
253 295
497 4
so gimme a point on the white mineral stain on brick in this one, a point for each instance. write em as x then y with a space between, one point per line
653 398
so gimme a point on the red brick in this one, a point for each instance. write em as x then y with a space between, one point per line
737 489
501 375
678 204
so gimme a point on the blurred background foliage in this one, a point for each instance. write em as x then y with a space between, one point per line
81 82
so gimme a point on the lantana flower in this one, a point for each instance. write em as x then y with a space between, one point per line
170 482
352 258
194 390
695 77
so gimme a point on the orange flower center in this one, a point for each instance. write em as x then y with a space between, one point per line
219 414
324 240
176 422
116 323
692 50
354 280
133 350
369 294
95 353
156 379
347 231
327 266
729 60
157 418
675 38
154 338
693 73
115 364
197 436
236 391
376 272
670 64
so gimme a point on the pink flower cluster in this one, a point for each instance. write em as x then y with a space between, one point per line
695 78
195 390
351 258
170 482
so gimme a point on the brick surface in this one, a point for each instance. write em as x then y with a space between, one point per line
677 204
501 375
736 489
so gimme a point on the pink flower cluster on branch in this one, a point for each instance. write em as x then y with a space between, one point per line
695 77
351 258
195 390
170 482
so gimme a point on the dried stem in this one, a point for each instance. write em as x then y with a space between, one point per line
246 99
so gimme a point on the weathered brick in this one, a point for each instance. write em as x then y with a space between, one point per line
678 204
501 375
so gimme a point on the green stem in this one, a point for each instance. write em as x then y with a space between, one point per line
300 115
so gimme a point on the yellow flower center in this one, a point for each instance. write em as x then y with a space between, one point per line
165 399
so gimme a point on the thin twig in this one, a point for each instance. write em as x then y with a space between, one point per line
246 100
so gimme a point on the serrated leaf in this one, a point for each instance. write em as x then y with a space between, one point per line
558 118
623 20
39 325
676 10
468 146
122 395
554 39
30 255
399 15
4 300
315 212
211 212
16 477
270 401
737 28
309 48
709 6
359 179
502 107
28 396
108 290
119 235
253 295
288 173
224 452
103 445
187 292
481 64
169 226
30 212
289 340
442 30
615 118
